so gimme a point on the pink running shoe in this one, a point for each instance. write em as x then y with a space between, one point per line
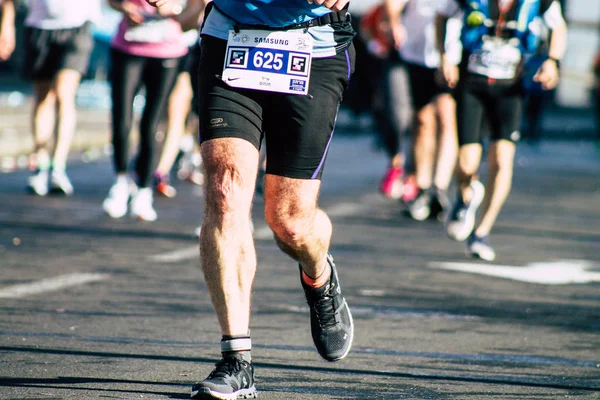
391 184
410 189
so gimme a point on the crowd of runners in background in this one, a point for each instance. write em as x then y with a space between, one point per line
437 108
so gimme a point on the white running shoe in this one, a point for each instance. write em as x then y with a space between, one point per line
60 183
38 183
141 205
115 204
462 217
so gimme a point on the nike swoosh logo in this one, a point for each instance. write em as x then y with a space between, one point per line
232 79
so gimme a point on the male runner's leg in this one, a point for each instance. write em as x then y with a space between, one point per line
470 107
504 114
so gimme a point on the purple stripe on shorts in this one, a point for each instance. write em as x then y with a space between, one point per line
348 63
316 173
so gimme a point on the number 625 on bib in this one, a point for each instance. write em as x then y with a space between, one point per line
269 61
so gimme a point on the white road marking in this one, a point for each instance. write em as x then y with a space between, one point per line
50 285
177 255
562 272
264 232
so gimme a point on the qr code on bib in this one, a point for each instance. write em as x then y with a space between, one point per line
298 64
238 58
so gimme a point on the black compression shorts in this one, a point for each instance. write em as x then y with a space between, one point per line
501 108
297 129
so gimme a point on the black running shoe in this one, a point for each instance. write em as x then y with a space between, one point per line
331 323
233 378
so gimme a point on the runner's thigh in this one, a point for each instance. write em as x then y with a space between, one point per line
224 111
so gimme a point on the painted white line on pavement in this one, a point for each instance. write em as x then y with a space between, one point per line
562 272
176 255
50 285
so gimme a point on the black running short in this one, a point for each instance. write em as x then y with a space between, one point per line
297 129
500 106
51 50
424 86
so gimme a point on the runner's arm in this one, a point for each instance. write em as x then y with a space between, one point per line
548 74
394 9
192 14
333 5
448 70
128 9
7 30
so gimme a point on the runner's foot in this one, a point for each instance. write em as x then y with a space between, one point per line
331 322
419 208
38 183
116 203
162 186
60 183
232 378
391 184
479 247
462 217
141 205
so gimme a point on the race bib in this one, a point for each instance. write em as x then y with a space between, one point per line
150 31
497 59
272 61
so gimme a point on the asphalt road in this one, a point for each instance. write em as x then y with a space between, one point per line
93 308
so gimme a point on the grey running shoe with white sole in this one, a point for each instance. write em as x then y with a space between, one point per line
331 322
232 378
461 221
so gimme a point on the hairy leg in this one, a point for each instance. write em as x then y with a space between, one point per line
302 230
227 252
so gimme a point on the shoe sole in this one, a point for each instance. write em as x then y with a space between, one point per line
31 190
208 394
61 191
480 255
420 215
113 214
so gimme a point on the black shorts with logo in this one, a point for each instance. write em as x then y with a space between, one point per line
51 50
297 129
480 103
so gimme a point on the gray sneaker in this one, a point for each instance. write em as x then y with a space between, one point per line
232 378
